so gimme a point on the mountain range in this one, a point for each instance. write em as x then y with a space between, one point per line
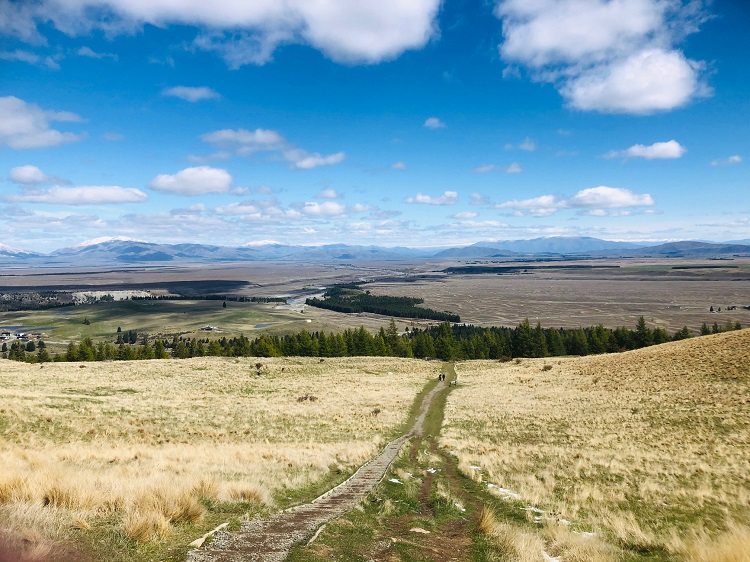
123 251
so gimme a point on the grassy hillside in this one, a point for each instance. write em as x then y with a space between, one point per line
648 450
134 460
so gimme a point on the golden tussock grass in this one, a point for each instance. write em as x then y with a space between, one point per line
731 546
575 547
486 522
148 443
513 544
643 447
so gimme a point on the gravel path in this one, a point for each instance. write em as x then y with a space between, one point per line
270 540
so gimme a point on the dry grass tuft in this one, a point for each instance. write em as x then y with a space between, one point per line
146 526
575 547
175 507
731 546
206 489
487 521
249 493
516 545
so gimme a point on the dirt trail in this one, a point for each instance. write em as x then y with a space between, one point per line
270 540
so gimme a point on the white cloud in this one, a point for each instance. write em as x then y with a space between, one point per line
362 208
538 206
238 208
615 56
90 53
329 194
194 181
735 159
514 168
606 213
191 94
84 195
609 197
447 198
367 31
434 123
112 136
263 139
303 160
479 199
20 56
659 150
327 209
25 125
465 215
485 169
245 143
28 175
597 198
528 145
399 165
648 81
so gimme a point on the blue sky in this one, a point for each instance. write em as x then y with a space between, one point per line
389 122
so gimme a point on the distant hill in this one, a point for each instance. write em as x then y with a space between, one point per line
689 249
125 251
15 253
545 245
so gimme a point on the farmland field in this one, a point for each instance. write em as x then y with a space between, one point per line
136 459
669 293
667 298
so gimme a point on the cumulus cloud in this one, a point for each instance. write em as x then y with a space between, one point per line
367 31
327 209
537 206
113 136
29 175
399 165
609 197
659 150
434 123
194 181
447 198
26 125
646 82
615 56
514 168
303 160
84 195
735 159
191 93
329 194
595 198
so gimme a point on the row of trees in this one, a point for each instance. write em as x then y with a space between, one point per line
351 299
445 341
